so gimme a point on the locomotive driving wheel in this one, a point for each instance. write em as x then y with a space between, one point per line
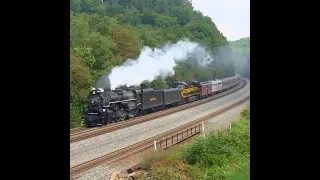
122 114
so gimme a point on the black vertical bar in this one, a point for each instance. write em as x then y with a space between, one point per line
166 142
177 137
172 139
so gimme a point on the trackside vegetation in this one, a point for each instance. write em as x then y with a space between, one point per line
221 155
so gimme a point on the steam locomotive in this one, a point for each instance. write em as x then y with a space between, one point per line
106 106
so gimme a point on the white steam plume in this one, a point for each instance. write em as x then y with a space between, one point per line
152 63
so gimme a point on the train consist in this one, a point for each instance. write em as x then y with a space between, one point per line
105 106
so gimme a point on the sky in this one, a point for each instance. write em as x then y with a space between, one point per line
232 17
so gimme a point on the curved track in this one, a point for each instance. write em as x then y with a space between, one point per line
77 130
85 133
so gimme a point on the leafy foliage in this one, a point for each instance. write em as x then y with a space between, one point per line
103 34
220 155
80 80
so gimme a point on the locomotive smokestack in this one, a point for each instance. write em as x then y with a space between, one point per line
103 82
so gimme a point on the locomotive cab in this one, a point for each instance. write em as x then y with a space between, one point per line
180 84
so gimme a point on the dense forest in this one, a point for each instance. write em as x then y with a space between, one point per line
104 34
241 55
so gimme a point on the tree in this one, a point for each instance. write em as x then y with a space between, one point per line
132 16
159 83
103 49
87 58
114 7
79 28
149 17
80 81
76 5
80 78
128 43
164 21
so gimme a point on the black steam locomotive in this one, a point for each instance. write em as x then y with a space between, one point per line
110 106
105 106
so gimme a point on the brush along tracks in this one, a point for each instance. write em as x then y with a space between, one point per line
163 141
85 133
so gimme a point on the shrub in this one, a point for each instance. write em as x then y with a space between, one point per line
152 157
220 155
246 113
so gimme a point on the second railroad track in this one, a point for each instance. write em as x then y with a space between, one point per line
85 133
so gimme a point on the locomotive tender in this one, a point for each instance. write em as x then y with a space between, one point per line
105 106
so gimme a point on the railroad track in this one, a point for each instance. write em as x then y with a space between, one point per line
77 130
92 132
145 144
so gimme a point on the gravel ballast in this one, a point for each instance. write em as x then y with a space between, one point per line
94 147
104 172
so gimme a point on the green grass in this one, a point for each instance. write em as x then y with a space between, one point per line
221 155
240 175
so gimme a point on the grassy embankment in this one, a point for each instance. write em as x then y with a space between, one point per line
219 155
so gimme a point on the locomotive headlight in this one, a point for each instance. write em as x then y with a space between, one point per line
102 110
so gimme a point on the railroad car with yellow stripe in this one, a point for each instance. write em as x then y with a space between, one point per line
188 91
